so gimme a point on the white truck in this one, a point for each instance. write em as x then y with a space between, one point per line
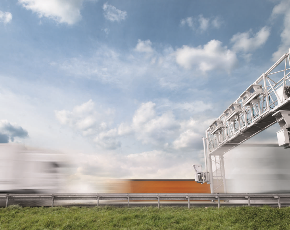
30 170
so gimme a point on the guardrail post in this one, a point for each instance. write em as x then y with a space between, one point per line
188 202
219 203
128 201
98 198
52 200
278 199
7 199
249 201
158 201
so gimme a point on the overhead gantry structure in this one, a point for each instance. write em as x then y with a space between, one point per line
261 105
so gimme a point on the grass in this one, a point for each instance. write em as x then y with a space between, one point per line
15 217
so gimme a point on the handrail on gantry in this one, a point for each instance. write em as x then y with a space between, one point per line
254 110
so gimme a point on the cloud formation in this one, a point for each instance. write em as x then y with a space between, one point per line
5 17
188 21
191 133
243 42
113 14
62 11
144 46
150 127
155 164
108 139
212 56
164 130
201 23
282 9
111 67
9 131
90 123
84 118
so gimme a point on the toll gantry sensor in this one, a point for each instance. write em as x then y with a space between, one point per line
200 177
283 119
261 105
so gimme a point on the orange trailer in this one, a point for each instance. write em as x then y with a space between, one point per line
159 186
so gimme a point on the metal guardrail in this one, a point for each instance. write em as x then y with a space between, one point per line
234 199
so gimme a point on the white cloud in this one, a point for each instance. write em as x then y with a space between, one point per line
243 42
145 113
62 11
186 139
152 128
201 23
9 131
91 123
107 66
216 22
107 140
191 133
161 68
144 46
84 118
110 67
5 17
282 9
111 13
160 130
195 106
153 164
188 21
124 129
164 130
213 56
185 109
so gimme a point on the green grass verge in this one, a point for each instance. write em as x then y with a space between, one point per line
145 218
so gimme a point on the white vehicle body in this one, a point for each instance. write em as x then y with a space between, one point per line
28 170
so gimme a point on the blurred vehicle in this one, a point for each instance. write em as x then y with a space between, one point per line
158 186
30 170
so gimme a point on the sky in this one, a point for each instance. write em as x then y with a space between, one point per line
127 88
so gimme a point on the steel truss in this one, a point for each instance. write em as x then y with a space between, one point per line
250 114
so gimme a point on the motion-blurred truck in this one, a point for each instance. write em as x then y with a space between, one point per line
30 170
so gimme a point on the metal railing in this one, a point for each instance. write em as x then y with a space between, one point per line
189 198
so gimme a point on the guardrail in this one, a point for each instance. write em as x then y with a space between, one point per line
190 198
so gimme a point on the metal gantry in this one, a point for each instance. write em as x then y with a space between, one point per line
261 105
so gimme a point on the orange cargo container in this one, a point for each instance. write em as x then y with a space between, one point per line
161 186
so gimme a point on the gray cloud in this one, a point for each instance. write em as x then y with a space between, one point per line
9 131
4 138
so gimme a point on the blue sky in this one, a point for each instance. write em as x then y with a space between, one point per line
127 88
